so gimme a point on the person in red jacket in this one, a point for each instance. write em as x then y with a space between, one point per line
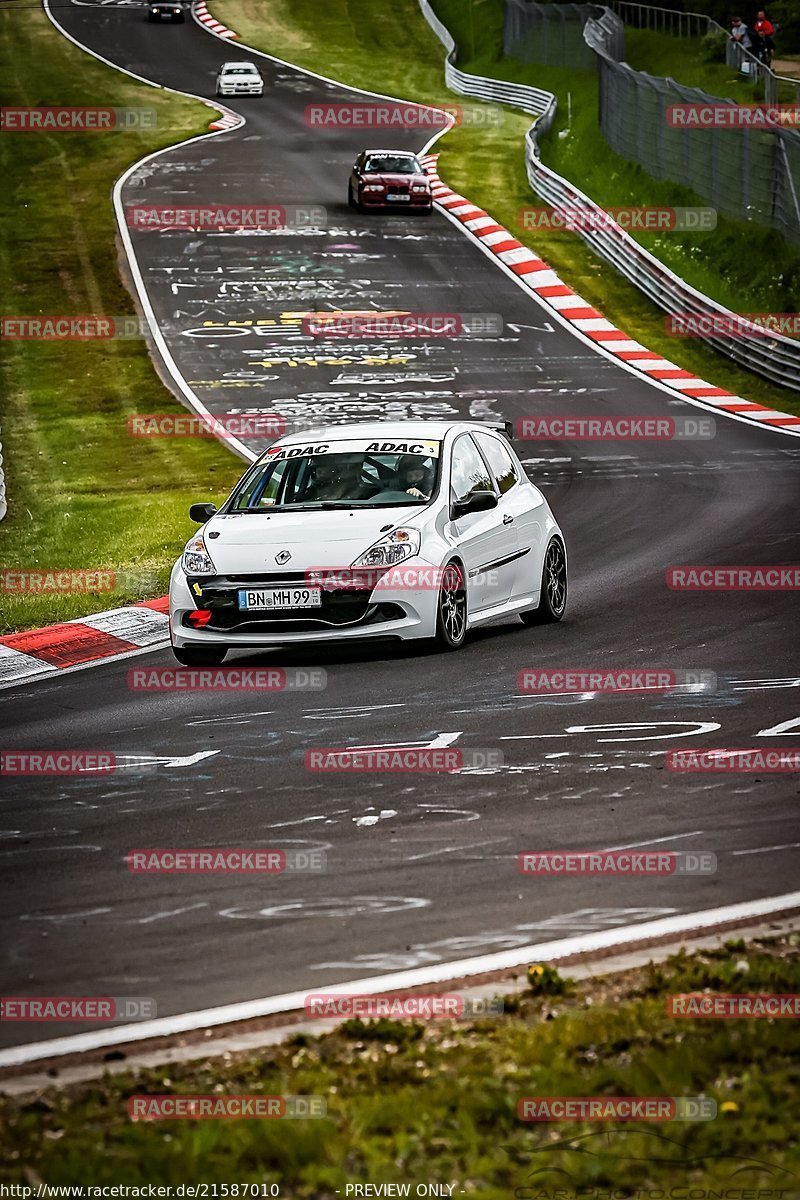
764 32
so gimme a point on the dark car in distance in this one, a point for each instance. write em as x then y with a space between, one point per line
159 10
389 179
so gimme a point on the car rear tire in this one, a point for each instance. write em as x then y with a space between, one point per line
451 609
199 656
553 594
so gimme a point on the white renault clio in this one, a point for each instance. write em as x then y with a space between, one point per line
406 530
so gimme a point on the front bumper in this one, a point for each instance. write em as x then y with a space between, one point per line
376 200
254 90
346 614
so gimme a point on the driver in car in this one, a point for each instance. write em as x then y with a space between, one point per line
414 477
338 478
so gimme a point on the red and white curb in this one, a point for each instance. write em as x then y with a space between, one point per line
535 274
229 120
205 18
118 633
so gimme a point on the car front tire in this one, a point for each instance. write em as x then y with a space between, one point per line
351 199
553 593
200 656
451 609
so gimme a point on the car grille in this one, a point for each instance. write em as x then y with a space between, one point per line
340 607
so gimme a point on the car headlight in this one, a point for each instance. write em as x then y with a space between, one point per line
374 187
419 187
395 548
196 559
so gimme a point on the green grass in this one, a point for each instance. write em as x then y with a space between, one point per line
436 1102
683 59
83 494
390 48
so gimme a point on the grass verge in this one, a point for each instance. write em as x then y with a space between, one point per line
421 1103
391 49
82 494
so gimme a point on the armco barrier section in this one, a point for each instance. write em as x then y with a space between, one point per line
529 99
775 358
3 505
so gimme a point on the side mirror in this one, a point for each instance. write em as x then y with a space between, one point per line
202 512
477 501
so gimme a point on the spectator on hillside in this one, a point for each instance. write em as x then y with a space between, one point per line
741 34
764 31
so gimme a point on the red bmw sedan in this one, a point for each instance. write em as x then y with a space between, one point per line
389 179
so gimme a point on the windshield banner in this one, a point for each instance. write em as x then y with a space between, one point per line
363 446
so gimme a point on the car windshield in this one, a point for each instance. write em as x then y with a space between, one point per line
239 71
394 164
384 474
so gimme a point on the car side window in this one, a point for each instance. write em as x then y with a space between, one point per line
468 471
500 461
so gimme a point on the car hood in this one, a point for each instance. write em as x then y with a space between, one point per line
395 179
312 538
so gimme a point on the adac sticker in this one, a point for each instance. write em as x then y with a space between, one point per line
425 449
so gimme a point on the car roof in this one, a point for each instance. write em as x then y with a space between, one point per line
396 153
238 63
384 431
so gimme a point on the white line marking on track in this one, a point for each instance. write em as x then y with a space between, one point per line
437 973
453 849
765 849
674 837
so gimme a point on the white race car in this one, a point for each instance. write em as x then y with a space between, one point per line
420 529
239 79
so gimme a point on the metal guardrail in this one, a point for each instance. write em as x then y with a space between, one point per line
775 358
692 24
529 99
3 505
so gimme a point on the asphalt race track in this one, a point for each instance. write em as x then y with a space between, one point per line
420 868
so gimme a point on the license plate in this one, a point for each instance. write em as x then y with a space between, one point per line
272 598
393 197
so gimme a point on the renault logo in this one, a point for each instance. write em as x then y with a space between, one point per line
283 557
